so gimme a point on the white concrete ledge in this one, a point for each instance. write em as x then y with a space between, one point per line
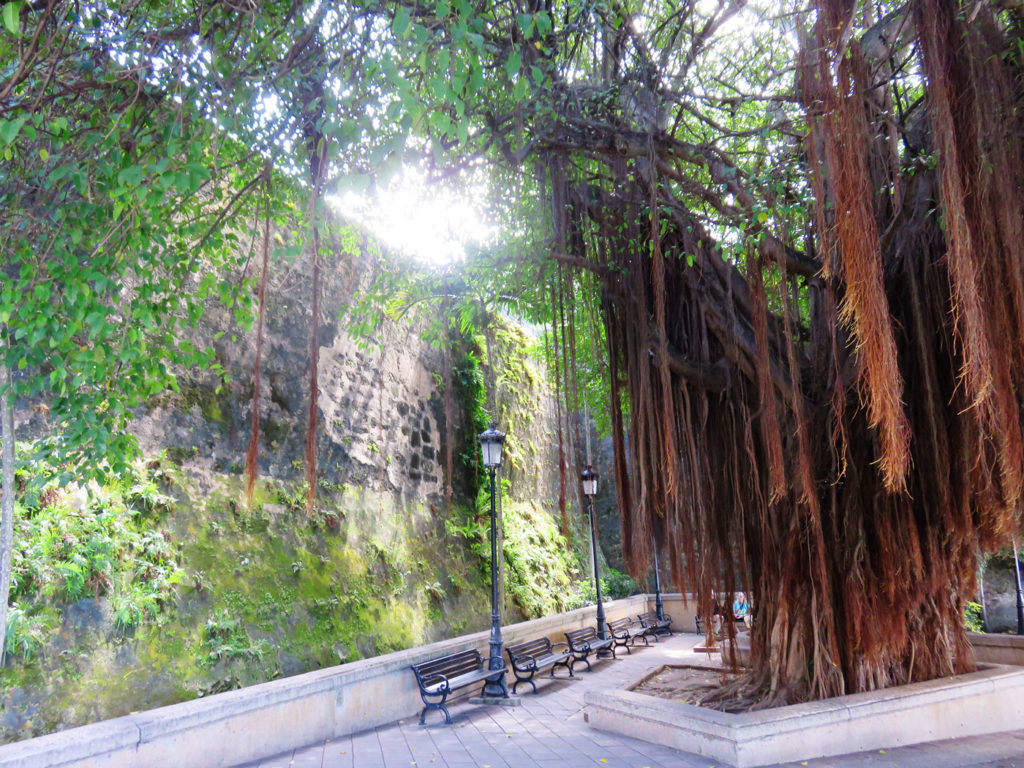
243 725
988 701
998 649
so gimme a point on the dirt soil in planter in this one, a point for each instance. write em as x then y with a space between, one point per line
687 685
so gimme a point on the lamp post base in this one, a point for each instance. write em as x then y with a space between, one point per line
495 688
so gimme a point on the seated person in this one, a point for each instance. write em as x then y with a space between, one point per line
740 607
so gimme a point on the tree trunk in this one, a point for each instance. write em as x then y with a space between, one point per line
6 500
844 445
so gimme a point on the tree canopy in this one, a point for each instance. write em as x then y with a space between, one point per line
780 240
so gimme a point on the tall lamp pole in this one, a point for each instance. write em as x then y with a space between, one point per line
659 606
589 478
1020 589
490 444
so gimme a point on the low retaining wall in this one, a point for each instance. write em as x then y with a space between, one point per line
238 726
683 611
998 649
988 701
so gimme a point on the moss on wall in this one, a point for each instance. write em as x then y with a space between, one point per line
165 586
263 593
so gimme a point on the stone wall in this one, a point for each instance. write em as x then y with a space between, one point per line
382 564
1000 590
381 415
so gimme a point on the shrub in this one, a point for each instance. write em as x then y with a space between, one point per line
27 634
973 617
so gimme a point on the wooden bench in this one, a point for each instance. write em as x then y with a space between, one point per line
625 632
529 657
655 625
439 677
583 642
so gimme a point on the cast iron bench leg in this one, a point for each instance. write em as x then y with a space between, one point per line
528 679
436 705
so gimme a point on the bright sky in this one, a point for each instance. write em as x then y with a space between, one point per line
431 223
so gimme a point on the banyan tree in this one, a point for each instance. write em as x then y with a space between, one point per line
812 291
797 227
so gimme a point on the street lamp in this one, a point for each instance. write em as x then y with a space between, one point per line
659 607
491 441
1020 589
589 478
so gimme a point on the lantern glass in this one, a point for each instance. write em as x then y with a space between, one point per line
589 481
491 442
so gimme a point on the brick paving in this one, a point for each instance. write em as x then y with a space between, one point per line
548 731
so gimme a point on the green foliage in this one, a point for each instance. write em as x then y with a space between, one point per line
27 633
582 596
614 585
471 399
474 529
539 563
92 307
225 638
133 603
72 546
974 617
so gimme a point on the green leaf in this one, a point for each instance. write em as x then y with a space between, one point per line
9 129
12 17
543 22
515 61
525 23
130 176
401 23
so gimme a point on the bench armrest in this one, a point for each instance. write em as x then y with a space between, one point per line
426 680
524 662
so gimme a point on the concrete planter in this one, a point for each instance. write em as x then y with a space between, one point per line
998 649
988 701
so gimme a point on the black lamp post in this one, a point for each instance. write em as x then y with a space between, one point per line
659 607
1020 589
590 489
490 443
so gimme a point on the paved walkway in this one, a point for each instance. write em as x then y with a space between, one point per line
548 731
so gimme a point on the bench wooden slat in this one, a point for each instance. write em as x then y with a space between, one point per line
460 681
625 632
531 647
439 677
532 655
650 620
583 642
452 665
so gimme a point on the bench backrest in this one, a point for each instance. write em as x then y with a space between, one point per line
617 624
450 666
651 617
538 647
581 635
